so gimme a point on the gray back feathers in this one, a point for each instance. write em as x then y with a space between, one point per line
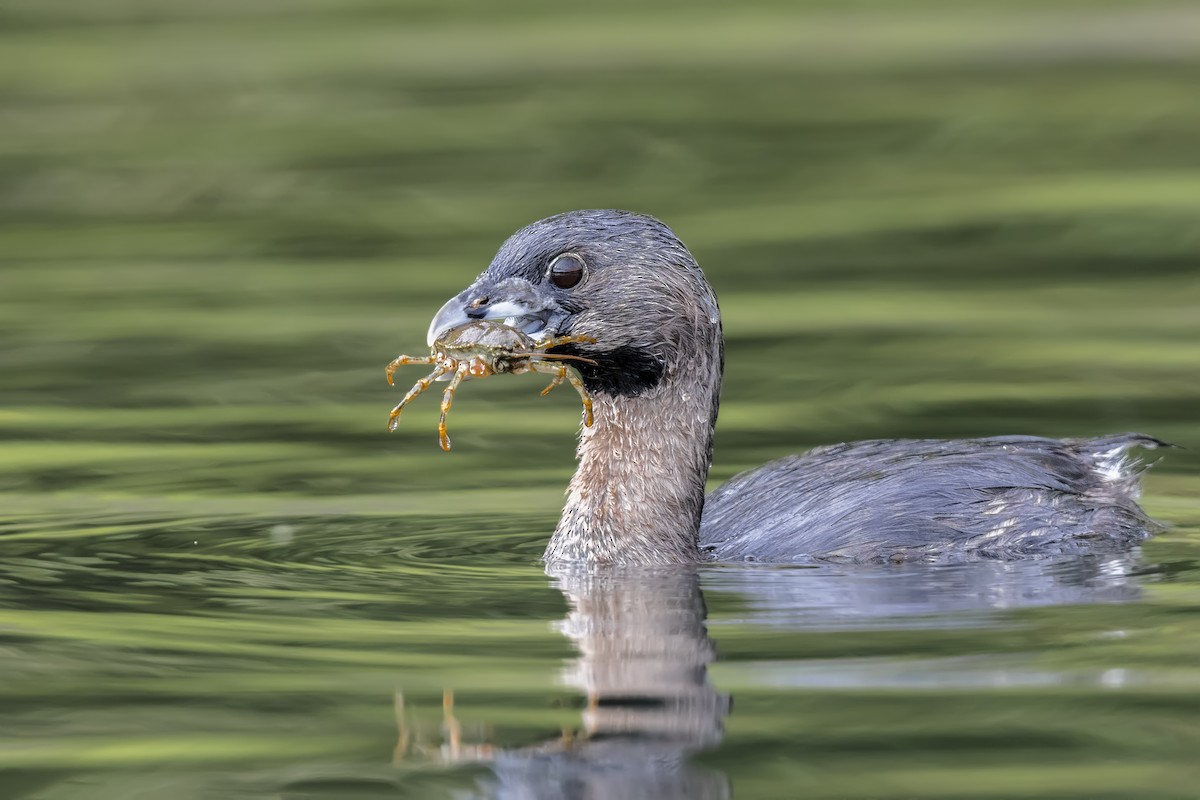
905 500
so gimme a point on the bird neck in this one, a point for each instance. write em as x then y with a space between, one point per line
637 495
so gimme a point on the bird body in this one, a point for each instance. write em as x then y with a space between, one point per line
641 313
903 500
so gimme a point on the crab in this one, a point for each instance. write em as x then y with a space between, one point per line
482 348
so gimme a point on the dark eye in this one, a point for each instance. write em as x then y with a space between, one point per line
566 270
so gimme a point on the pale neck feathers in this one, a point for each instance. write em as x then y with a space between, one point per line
637 495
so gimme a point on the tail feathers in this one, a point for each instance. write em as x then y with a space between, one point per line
1118 443
1112 462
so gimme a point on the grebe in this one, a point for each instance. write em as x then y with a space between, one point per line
626 281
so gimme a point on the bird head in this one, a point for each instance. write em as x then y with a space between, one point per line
622 279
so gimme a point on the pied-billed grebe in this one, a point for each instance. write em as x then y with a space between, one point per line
626 281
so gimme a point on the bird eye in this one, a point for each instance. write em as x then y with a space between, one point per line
566 271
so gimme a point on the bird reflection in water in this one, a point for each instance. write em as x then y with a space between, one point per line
643 663
644 651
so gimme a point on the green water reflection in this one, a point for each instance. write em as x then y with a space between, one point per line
220 220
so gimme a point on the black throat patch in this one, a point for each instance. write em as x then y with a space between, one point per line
623 371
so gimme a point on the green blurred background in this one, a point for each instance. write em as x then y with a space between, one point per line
220 220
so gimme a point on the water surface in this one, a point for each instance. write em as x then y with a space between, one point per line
220 577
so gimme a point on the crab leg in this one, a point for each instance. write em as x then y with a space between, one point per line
548 356
450 725
403 737
418 387
557 371
448 398
402 361
559 340
560 374
575 380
